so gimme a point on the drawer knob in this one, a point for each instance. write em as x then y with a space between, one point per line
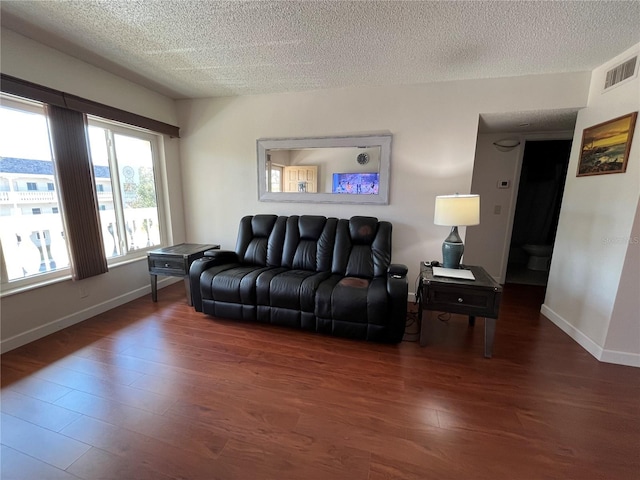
166 265
460 300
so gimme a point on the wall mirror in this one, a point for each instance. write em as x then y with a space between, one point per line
350 169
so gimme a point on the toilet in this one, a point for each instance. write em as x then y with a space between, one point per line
539 257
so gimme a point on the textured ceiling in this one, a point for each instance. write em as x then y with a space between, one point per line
530 121
189 49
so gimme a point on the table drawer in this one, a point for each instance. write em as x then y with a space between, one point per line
472 301
167 265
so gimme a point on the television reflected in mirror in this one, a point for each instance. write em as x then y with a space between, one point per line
356 183
350 169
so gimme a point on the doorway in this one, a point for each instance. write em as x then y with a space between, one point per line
540 190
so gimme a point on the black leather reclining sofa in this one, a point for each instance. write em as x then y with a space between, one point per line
322 274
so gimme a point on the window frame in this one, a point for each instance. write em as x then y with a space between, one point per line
39 279
154 140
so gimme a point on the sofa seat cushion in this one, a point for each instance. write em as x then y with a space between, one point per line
232 285
295 289
207 276
353 299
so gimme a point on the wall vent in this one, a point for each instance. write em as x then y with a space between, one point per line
620 73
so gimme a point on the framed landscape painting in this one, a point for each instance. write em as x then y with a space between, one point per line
605 147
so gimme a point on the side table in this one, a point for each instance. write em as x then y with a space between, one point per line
174 261
476 298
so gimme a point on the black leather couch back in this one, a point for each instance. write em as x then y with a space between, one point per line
260 240
358 247
309 243
363 247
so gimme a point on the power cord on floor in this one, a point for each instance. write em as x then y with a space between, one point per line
412 316
412 319
412 326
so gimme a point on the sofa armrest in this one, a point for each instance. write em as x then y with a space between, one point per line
397 270
211 258
222 256
398 290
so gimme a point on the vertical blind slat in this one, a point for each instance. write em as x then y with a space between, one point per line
77 191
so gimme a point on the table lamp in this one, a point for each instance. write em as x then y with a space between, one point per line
454 211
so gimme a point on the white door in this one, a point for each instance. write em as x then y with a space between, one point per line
301 179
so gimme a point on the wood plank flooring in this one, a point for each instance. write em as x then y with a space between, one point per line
158 391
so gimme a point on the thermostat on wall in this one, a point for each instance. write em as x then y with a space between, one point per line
504 183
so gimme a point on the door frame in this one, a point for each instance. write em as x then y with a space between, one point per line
564 135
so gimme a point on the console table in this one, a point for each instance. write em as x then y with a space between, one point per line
174 261
475 298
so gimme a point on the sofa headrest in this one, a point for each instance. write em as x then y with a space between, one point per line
262 225
311 226
362 230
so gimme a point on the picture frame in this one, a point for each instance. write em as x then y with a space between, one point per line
605 147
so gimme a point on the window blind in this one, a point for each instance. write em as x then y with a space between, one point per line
77 191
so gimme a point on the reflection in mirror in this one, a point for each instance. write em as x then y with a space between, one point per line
350 170
325 169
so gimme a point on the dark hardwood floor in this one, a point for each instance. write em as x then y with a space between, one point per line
157 391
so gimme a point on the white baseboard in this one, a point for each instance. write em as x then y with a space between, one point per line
608 356
620 358
77 317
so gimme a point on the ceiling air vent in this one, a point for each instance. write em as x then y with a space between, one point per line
621 72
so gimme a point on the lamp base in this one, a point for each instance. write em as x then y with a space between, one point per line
452 249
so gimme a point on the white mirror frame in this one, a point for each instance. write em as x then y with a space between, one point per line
380 140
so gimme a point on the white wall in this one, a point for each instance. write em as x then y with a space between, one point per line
487 243
589 258
623 335
434 131
30 315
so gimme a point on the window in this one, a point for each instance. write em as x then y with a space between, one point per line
33 242
129 207
276 178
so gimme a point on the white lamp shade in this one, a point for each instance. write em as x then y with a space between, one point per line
456 210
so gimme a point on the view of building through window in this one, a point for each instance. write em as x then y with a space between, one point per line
31 231
31 226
